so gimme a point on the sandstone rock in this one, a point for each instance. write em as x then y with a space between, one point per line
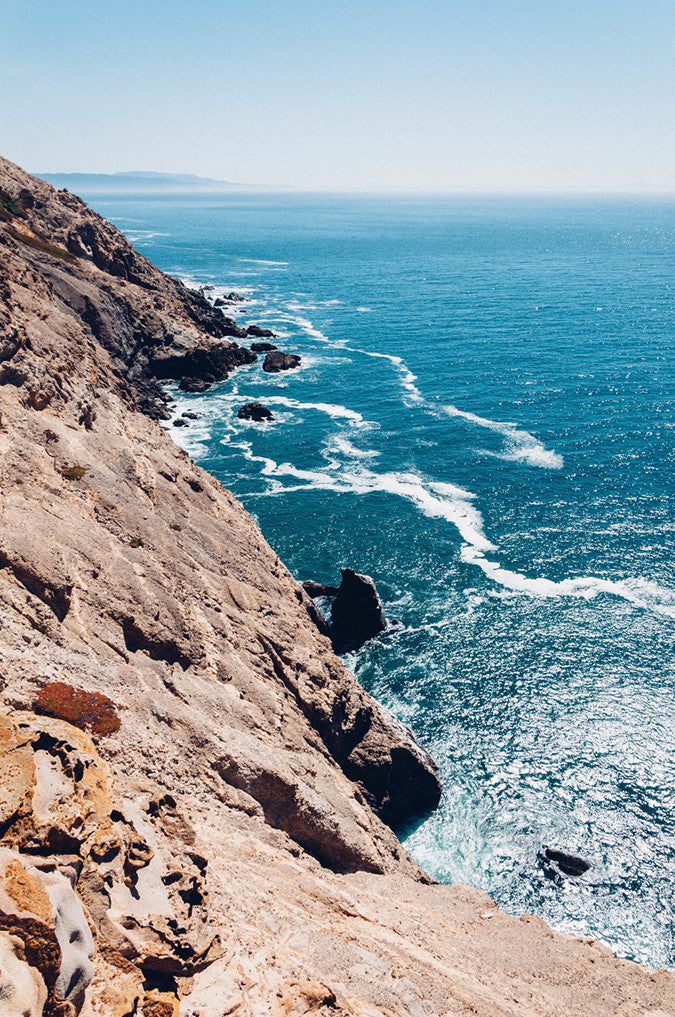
254 411
278 361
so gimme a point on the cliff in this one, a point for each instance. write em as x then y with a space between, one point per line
197 798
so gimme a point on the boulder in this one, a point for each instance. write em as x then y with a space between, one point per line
254 411
210 361
263 347
278 361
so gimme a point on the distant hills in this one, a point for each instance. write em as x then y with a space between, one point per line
142 182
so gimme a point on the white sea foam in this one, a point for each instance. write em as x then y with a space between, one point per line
412 395
332 410
263 261
344 447
642 592
519 446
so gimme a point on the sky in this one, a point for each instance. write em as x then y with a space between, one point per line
424 95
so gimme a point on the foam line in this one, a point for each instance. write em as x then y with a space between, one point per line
642 592
520 446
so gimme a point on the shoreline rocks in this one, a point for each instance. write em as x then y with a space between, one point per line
556 862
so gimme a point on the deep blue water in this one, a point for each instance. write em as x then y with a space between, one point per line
484 423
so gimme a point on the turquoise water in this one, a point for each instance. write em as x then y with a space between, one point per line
483 422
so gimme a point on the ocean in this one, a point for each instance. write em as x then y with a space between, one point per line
483 422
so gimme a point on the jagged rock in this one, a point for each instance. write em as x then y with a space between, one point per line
314 589
254 411
356 610
259 333
263 347
278 361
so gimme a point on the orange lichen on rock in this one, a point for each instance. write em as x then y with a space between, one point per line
89 711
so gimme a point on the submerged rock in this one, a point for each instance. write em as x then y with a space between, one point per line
254 411
278 361
562 862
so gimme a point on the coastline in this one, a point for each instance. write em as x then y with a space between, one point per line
152 586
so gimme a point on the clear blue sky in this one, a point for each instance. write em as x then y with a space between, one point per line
505 95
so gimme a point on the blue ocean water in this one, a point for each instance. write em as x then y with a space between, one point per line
483 422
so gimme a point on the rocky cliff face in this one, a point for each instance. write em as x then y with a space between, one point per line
193 788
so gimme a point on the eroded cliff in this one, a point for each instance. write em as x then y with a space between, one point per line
195 791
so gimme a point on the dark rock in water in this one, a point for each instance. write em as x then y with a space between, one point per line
180 422
569 865
190 416
219 302
260 333
234 298
254 411
357 613
278 361
194 385
263 347
315 589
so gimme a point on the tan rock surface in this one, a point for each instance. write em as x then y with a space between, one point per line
218 827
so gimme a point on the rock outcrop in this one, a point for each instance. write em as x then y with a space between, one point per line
196 797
